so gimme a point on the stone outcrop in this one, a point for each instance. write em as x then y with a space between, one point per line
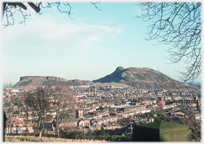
43 78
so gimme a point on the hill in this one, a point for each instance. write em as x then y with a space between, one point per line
42 80
145 78
142 78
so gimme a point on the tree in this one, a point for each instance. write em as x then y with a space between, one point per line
4 126
100 108
177 24
125 133
77 135
89 134
38 101
161 116
151 115
102 131
16 112
24 103
59 94
96 131
114 137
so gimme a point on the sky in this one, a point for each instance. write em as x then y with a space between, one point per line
89 45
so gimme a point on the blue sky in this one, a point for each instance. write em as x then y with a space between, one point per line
89 46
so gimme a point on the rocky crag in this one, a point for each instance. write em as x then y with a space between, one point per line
143 78
44 80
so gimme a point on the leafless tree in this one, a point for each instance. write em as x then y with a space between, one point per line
60 94
25 104
177 24
10 9
95 5
38 100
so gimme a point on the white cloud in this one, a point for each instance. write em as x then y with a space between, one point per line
38 34
95 38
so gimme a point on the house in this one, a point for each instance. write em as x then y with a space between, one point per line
13 122
82 105
179 114
15 125
161 103
83 123
104 103
97 104
102 114
192 104
19 130
106 109
197 116
69 123
113 113
151 120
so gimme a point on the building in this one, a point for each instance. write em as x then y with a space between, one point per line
79 113
161 103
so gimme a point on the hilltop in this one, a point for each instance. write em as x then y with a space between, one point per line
142 78
44 80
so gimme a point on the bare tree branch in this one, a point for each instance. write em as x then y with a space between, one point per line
177 24
11 8
95 5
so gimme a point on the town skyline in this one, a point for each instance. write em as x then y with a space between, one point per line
91 72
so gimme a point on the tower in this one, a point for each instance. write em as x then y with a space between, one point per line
79 113
94 91
10 84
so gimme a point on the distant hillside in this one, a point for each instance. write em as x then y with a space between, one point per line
42 80
136 77
142 78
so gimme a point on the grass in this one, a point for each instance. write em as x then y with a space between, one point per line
45 139
25 83
166 126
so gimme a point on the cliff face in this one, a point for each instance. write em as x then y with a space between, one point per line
113 77
43 78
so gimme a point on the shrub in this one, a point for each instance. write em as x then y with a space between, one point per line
125 133
89 134
115 137
77 135
22 139
102 131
